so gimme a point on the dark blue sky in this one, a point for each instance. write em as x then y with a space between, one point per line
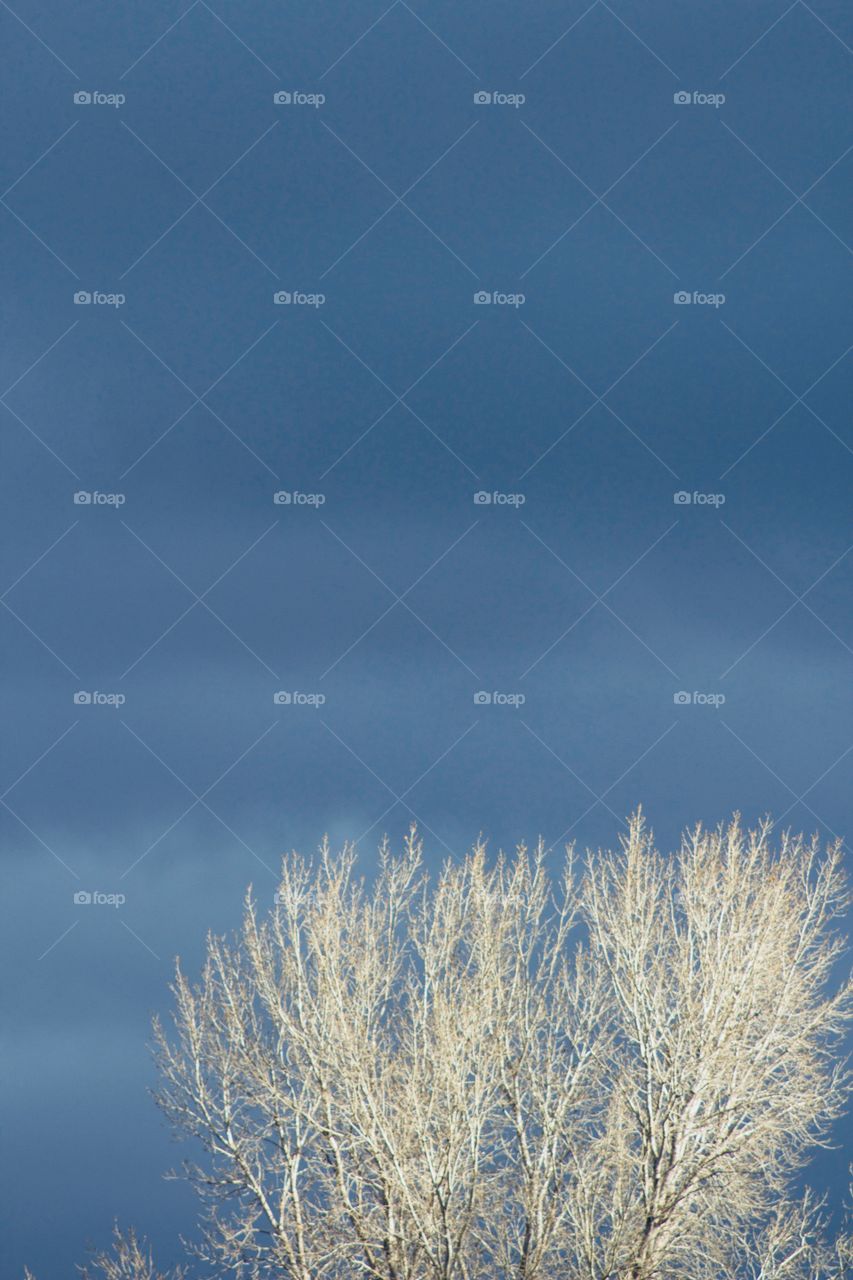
596 399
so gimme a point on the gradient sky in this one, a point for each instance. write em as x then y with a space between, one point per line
596 400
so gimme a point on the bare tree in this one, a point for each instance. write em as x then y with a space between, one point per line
614 1077
129 1258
